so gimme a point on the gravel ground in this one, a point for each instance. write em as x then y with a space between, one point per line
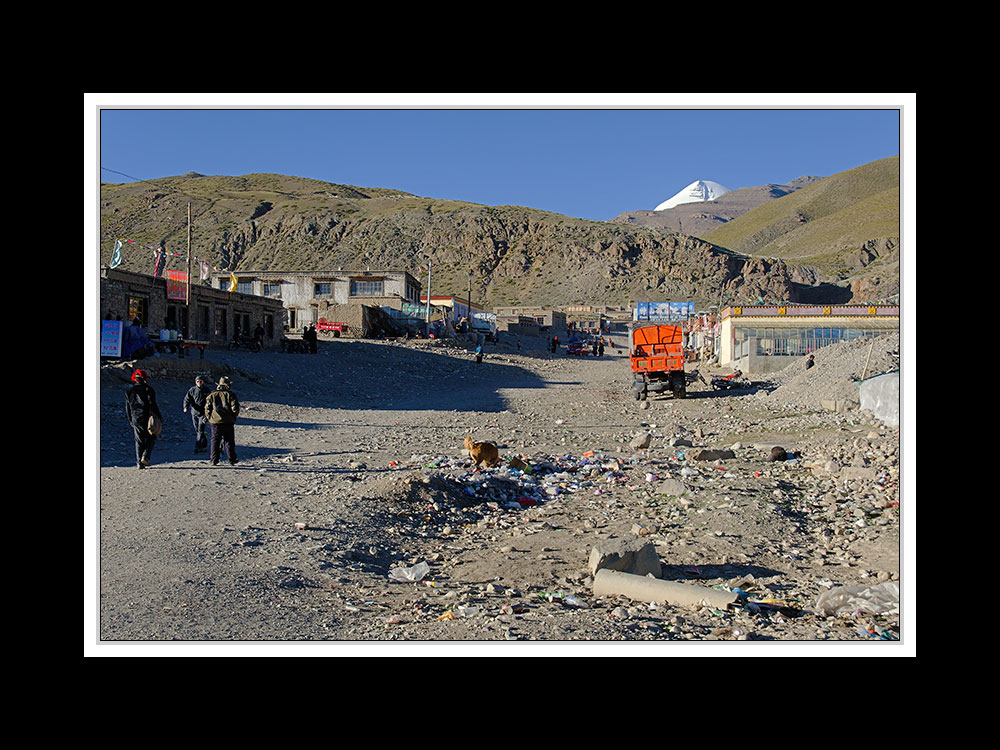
354 517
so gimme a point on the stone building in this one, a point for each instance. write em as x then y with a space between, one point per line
547 319
215 314
311 296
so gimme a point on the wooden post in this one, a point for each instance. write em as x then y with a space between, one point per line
865 371
189 322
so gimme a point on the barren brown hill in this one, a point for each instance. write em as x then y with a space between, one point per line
509 254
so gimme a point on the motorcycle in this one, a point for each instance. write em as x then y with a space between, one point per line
729 382
692 376
242 341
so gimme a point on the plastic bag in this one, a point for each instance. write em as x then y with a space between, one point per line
874 600
405 575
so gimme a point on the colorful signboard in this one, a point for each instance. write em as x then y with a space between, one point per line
663 312
177 285
111 338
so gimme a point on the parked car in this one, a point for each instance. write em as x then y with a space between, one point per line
579 348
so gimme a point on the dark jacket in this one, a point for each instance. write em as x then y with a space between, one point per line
222 406
134 338
140 403
195 398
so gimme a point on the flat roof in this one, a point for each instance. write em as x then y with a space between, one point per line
810 311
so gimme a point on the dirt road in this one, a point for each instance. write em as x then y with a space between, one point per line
352 467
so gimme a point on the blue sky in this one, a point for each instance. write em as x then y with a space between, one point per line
582 162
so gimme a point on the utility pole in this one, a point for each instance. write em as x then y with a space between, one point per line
187 333
427 313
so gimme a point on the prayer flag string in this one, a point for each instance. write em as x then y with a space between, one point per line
203 265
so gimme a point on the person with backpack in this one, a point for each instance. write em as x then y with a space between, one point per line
140 408
221 409
195 400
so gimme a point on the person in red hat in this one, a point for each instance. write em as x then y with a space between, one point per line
140 406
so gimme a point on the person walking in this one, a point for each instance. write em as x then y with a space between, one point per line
312 339
195 400
140 406
221 409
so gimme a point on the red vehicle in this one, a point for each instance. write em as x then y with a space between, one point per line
331 327
657 361
578 348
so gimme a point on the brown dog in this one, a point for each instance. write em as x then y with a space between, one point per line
482 453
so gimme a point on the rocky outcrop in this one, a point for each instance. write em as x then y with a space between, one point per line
509 254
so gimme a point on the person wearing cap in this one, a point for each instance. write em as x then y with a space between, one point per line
221 409
140 405
195 399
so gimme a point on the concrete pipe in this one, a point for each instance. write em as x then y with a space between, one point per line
609 582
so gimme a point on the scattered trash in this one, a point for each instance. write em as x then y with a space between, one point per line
415 573
873 600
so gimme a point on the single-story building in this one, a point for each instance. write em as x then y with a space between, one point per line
213 315
451 308
307 294
524 325
548 320
766 338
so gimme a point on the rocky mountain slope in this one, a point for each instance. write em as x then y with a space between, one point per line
698 219
508 254
842 230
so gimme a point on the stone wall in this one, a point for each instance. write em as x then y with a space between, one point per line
214 312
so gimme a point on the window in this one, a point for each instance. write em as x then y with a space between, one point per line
322 289
137 308
366 288
272 288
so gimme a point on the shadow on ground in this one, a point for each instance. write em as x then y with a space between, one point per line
361 375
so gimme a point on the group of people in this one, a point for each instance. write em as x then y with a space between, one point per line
216 409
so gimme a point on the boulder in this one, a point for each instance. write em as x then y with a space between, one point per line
627 554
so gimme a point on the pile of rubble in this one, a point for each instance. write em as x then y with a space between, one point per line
838 373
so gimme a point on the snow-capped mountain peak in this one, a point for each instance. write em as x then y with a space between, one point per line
697 191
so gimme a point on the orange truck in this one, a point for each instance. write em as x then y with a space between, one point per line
658 361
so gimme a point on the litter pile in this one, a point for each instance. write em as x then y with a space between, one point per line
518 481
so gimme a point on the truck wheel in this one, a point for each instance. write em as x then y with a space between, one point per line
678 386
